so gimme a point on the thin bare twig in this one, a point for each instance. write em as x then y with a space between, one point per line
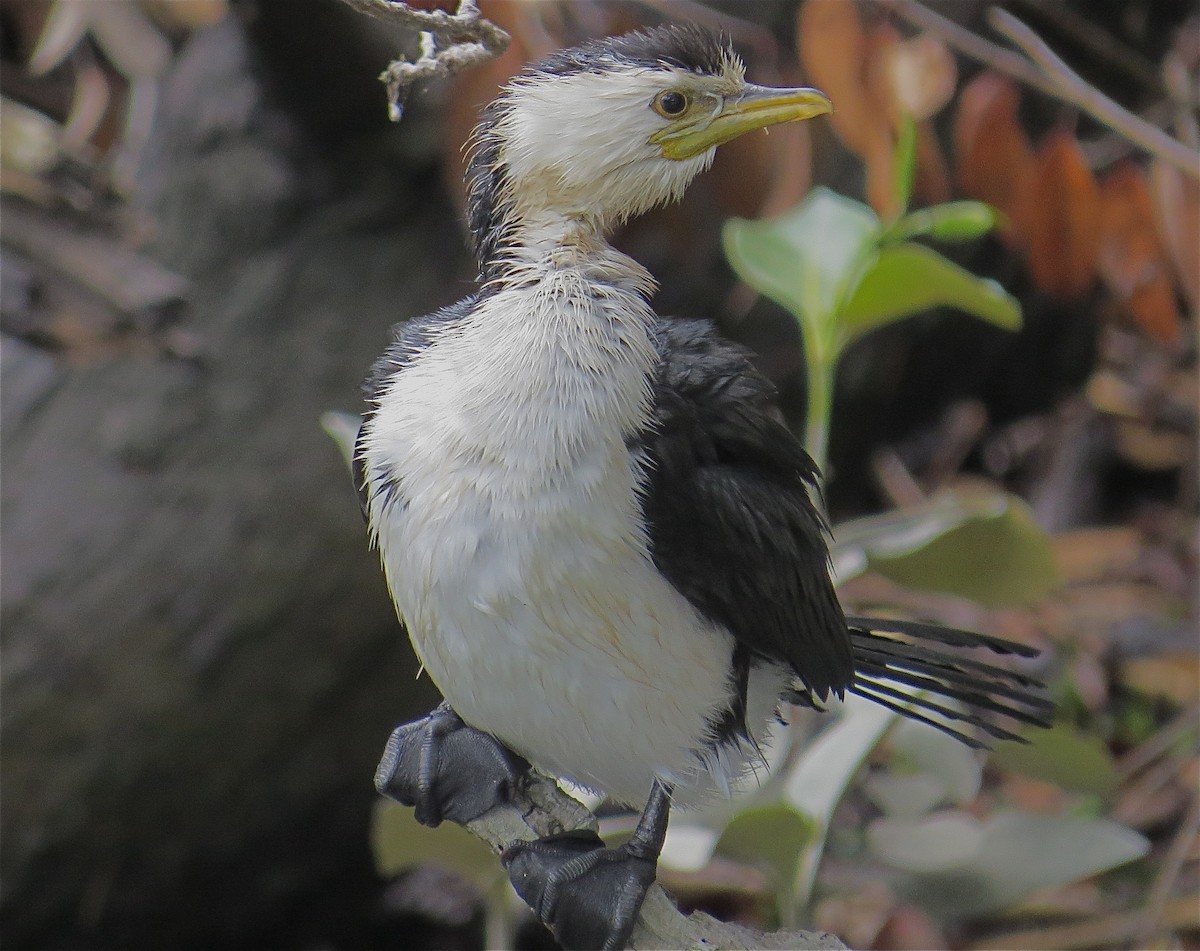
1164 884
1073 88
975 46
450 43
1050 75
1097 42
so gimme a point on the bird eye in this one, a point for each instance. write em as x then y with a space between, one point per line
669 104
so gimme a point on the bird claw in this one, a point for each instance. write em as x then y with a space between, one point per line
587 895
447 769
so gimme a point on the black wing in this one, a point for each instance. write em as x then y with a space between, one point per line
734 528
408 339
727 500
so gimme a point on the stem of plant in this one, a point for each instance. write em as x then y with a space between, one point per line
819 411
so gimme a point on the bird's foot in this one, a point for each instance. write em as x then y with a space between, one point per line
447 769
587 895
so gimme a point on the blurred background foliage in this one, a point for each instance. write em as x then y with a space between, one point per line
208 226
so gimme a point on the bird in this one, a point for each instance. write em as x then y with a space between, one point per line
605 544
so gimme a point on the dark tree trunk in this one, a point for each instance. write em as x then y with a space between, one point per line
201 663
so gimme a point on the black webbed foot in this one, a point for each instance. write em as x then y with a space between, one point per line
589 896
446 769
586 894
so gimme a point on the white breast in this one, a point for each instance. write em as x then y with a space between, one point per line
515 551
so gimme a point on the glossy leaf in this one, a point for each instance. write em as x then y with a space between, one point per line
804 260
986 547
905 796
1063 756
819 779
906 279
1019 854
933 843
772 836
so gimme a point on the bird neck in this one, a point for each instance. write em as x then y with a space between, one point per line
545 244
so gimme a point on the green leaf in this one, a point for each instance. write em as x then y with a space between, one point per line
906 279
773 836
1063 756
398 842
806 258
1019 854
952 221
941 842
904 164
922 748
986 547
819 779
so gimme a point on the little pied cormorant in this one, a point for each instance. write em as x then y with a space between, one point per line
594 526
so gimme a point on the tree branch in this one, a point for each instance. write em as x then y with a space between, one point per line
540 808
1074 89
450 43
1045 71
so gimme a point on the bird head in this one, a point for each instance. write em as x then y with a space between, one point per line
599 133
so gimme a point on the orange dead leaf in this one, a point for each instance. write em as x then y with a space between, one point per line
1132 260
1177 213
186 14
1061 213
839 55
880 156
994 156
833 49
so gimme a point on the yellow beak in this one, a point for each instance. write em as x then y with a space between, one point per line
756 108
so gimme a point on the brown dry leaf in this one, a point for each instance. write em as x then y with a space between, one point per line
1150 448
910 929
1147 805
1111 393
1093 554
858 917
1061 215
185 15
833 50
880 158
1033 795
1132 260
1177 212
1173 676
995 158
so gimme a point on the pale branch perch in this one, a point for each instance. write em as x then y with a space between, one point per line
450 43
540 808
